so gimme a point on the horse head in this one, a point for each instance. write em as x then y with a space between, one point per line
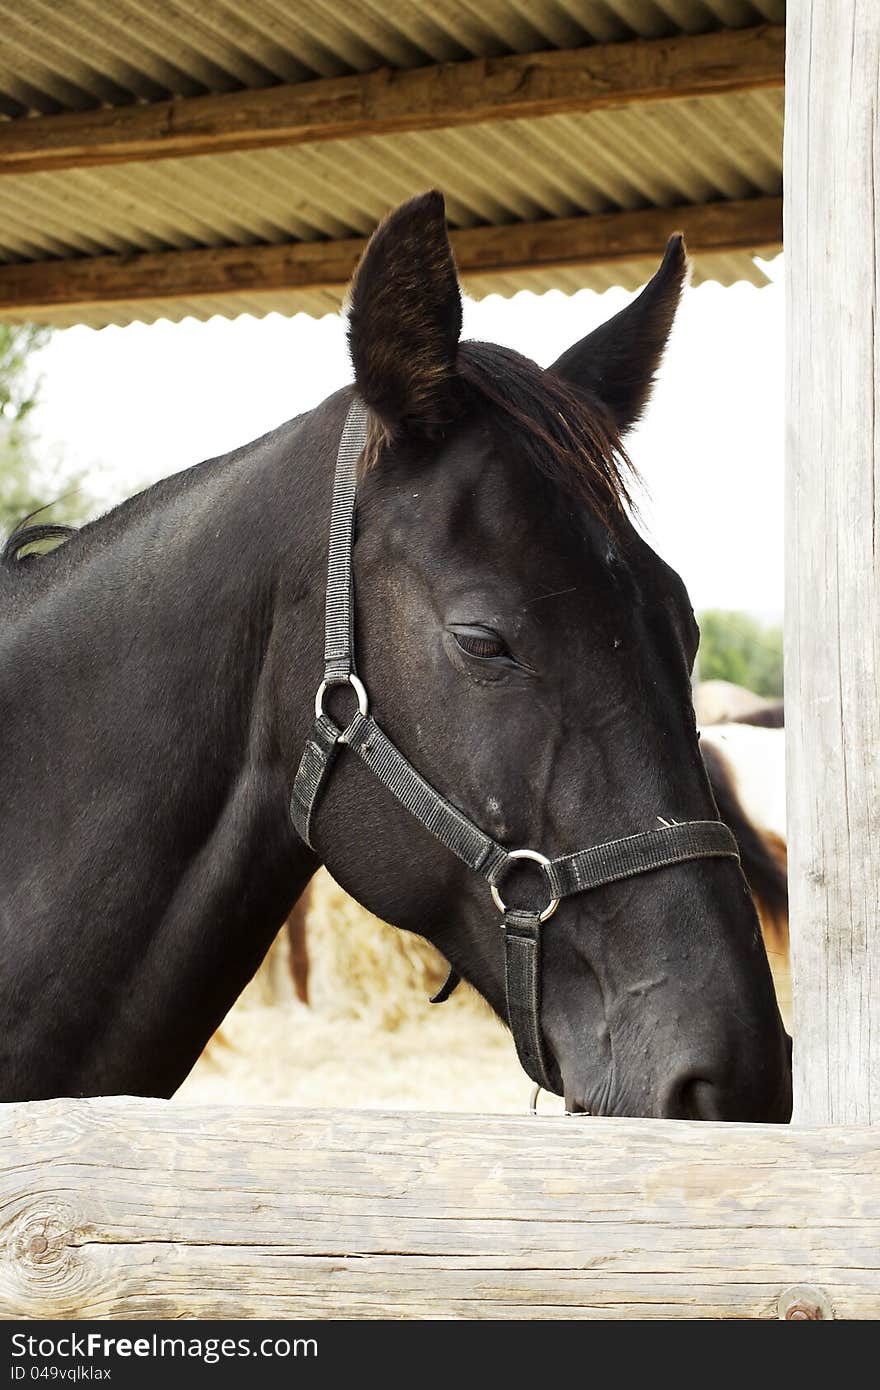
531 655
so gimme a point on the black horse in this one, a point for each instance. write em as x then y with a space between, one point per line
522 646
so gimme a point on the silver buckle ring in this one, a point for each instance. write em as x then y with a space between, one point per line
537 859
357 686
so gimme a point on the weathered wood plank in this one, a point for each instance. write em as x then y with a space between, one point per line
25 289
127 1208
387 102
832 659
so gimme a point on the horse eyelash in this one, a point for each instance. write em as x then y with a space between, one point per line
483 648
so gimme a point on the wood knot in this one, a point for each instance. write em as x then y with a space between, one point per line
44 1259
39 1237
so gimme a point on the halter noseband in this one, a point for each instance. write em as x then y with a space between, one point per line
572 873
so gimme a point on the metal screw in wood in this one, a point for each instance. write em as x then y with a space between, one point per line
803 1303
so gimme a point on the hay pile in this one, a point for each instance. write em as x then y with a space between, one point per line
369 1037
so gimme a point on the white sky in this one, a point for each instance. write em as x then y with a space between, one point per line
130 405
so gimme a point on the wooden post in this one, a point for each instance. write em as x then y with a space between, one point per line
832 648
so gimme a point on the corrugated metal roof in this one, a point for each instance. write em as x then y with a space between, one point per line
86 53
79 54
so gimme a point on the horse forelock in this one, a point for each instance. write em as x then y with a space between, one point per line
564 436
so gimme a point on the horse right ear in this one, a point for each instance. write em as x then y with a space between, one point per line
404 319
617 361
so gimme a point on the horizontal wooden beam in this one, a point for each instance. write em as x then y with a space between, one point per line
392 101
149 1209
29 287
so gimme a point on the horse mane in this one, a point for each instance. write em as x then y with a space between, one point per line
565 434
24 536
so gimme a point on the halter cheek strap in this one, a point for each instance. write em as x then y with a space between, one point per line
566 875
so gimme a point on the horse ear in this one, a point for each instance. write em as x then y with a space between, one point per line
404 319
618 360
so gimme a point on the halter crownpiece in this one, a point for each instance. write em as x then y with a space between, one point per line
673 843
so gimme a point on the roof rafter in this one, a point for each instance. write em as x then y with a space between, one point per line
32 287
388 101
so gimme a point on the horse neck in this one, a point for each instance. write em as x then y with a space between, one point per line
158 787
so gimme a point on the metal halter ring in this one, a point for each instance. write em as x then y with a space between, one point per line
534 1095
537 859
357 686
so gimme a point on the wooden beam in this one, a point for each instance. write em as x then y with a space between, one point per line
28 288
127 1208
392 101
832 657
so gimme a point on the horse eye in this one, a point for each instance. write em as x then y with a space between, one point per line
486 646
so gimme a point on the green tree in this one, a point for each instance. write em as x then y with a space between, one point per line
29 479
737 647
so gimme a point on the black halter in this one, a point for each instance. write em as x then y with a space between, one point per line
572 873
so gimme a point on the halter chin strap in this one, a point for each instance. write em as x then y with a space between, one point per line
569 874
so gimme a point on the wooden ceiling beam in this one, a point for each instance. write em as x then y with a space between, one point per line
389 102
30 287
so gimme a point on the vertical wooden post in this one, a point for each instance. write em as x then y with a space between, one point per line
832 644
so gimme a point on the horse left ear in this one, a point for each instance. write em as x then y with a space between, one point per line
617 361
404 319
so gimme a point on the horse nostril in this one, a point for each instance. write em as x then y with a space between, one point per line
691 1097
